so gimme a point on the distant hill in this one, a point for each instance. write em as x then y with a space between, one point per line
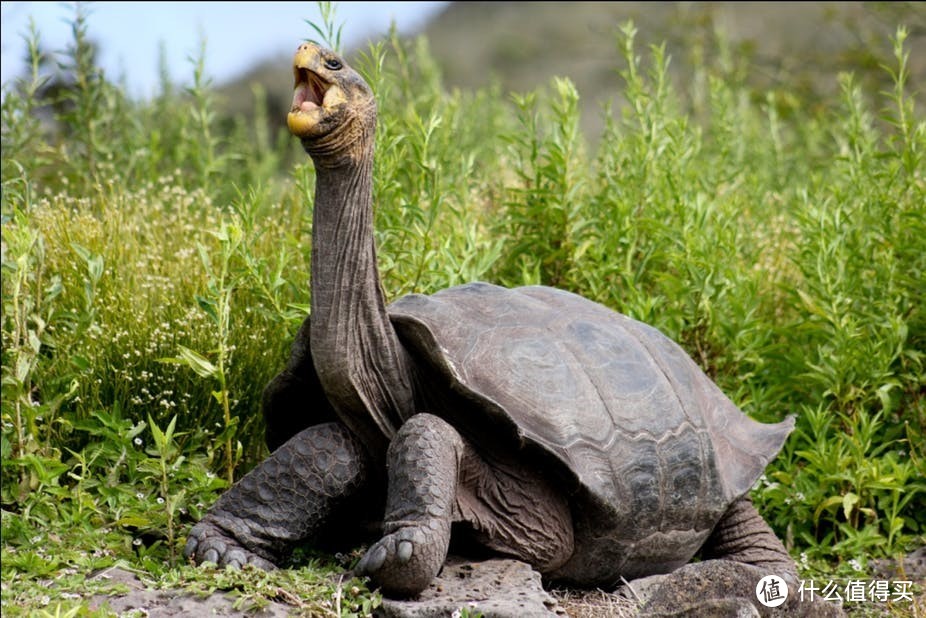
796 47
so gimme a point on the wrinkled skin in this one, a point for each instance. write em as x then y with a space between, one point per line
375 396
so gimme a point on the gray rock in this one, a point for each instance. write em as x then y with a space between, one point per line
910 567
641 589
735 607
691 591
496 588
140 601
165 604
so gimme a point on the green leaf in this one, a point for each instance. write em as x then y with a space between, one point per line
229 430
157 434
209 306
194 361
170 427
80 362
829 502
133 521
849 502
23 367
82 252
95 267
135 430
93 261
35 344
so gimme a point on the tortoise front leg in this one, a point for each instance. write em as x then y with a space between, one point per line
288 498
423 465
436 478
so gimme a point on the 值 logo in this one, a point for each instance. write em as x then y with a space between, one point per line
772 591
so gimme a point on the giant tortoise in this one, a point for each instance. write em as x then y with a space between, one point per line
528 422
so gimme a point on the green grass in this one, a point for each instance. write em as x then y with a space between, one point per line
155 268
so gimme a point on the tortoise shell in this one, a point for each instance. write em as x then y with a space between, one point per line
656 450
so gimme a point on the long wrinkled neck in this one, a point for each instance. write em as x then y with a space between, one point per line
362 366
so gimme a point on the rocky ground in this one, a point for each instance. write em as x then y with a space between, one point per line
496 588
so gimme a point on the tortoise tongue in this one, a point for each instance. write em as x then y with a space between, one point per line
303 98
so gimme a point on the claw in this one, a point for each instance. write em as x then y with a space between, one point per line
402 563
373 560
235 558
208 543
405 551
189 550
262 564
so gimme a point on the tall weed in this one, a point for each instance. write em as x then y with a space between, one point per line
434 152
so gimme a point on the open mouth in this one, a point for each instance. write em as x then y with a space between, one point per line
317 98
310 90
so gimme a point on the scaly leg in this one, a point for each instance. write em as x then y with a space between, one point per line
744 537
287 499
436 478
423 464
741 550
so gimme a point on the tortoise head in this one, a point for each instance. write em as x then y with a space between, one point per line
333 107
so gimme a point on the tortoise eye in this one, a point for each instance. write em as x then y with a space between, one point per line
332 64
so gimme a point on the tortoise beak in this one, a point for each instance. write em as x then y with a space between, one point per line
314 96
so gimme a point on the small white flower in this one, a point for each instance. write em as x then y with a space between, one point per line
137 441
160 500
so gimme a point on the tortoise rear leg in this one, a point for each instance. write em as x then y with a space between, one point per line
744 537
741 550
287 499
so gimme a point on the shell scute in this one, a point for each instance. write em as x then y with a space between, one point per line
622 407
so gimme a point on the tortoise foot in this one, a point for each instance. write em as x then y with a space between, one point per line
405 561
208 542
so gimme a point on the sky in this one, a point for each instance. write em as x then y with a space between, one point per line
237 35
